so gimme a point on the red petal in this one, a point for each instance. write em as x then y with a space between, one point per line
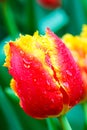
71 80
39 95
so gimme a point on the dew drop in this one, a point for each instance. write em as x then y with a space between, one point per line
35 80
26 63
48 83
21 52
26 66
66 84
68 72
52 100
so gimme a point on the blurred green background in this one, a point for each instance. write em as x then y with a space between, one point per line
25 17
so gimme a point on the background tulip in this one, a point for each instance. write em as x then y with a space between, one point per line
50 3
78 46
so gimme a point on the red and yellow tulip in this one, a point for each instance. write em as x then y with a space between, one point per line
50 3
46 78
78 48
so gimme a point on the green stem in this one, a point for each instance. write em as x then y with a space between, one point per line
50 123
9 20
64 123
85 113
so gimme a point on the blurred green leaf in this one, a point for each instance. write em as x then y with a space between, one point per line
4 75
9 20
55 20
76 14
9 114
76 118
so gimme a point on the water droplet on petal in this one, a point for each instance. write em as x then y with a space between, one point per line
44 92
68 72
48 82
66 84
21 52
26 63
35 80
52 103
52 100
26 66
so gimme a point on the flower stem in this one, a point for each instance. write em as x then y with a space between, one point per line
64 123
85 113
50 124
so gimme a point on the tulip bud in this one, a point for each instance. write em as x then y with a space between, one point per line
50 3
45 76
78 47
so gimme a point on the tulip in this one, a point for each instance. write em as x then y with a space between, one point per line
46 78
78 48
50 3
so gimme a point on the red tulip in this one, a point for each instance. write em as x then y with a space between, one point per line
45 76
50 3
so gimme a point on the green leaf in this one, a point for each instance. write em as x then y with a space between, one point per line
76 118
4 75
9 114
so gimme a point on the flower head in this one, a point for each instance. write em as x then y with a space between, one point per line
45 76
50 3
78 48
